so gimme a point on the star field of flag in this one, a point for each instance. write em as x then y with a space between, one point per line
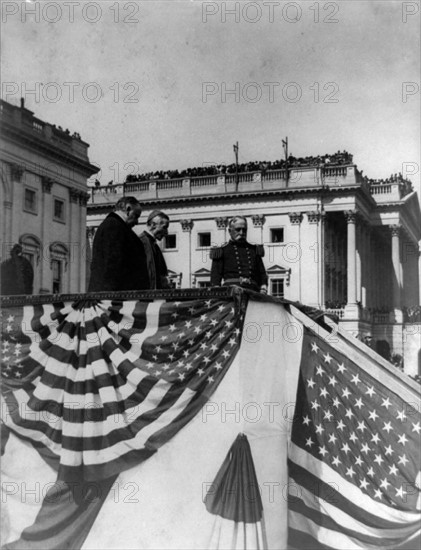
118 379
14 347
358 427
193 344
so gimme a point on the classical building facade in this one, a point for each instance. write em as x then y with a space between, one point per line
332 240
43 194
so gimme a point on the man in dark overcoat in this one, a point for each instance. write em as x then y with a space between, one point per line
17 274
156 230
118 259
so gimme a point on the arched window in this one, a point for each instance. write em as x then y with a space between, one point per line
59 258
31 248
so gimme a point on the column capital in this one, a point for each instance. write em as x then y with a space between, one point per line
314 217
258 220
84 198
16 171
351 216
47 184
221 223
295 217
74 195
395 230
186 225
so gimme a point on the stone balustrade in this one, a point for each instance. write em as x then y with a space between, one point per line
387 192
338 312
304 177
298 177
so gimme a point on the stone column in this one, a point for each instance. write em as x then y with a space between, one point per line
358 255
7 229
316 217
368 271
377 283
364 258
74 245
296 218
83 201
259 221
187 226
340 245
12 193
46 212
396 275
351 309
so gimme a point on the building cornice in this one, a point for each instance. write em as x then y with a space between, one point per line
18 171
288 194
407 218
11 134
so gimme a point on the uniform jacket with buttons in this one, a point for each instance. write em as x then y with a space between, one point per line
238 259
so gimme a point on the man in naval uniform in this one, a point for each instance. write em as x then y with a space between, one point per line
239 262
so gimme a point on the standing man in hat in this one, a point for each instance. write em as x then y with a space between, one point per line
239 262
17 274
156 230
118 259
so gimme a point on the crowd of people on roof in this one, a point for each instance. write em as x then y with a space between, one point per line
393 178
75 135
339 158
412 314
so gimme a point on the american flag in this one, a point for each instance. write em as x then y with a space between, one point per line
102 387
14 346
354 458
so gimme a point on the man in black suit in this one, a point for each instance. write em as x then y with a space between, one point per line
118 259
156 230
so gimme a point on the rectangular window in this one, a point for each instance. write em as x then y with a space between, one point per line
204 240
57 275
277 288
277 235
59 210
170 242
30 201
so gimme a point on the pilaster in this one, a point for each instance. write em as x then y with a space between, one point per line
351 308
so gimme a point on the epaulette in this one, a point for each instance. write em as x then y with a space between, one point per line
260 250
216 253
